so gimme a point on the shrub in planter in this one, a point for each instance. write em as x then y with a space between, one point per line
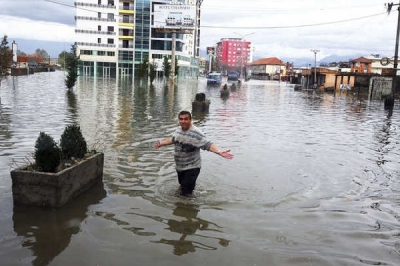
72 143
47 153
56 177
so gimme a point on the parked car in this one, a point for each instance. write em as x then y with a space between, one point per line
214 78
233 76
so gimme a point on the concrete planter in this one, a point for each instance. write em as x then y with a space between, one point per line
55 189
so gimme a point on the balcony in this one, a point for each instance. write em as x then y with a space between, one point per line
95 44
125 37
95 19
125 34
96 32
126 22
123 46
127 9
112 6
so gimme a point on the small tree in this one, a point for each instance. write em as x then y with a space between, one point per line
72 143
42 54
166 67
143 68
47 153
61 58
152 72
71 63
5 58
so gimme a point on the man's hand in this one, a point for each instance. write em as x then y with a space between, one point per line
226 154
158 144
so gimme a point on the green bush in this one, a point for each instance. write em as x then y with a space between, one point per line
47 153
72 143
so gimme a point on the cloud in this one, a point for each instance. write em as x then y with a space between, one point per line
285 28
61 12
291 28
24 28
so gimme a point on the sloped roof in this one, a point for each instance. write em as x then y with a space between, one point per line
268 61
361 60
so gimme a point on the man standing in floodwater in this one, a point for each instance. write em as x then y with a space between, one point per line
188 140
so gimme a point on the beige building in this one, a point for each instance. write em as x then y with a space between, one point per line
270 68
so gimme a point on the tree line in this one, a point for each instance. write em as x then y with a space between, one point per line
69 60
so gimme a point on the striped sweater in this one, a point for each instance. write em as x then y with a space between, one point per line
187 148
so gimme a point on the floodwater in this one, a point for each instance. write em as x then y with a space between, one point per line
315 179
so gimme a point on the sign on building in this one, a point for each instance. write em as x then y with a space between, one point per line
210 51
174 16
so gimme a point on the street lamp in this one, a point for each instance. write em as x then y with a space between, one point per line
241 49
315 51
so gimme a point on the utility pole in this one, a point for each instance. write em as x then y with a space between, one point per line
197 29
389 101
315 51
173 48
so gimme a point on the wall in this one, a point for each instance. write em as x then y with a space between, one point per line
380 87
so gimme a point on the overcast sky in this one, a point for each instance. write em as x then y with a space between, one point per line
287 29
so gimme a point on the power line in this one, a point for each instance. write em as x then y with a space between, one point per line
77 7
58 3
253 27
312 8
292 26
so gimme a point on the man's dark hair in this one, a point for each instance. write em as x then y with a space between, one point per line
185 113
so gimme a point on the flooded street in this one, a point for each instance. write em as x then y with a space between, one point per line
315 179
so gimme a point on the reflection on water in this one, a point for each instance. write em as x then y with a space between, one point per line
188 226
47 232
314 181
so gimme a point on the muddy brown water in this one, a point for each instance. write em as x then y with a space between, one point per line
315 179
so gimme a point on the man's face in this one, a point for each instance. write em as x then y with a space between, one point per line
185 122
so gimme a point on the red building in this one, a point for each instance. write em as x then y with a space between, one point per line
233 54
361 65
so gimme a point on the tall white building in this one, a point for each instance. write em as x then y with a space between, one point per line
115 36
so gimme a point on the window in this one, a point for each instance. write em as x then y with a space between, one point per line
111 53
110 28
99 27
110 16
125 32
98 14
99 2
125 55
86 52
101 53
110 41
98 40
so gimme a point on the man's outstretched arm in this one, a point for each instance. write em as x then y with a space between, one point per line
164 142
226 154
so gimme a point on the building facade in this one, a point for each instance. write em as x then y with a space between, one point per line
115 36
361 65
233 54
270 68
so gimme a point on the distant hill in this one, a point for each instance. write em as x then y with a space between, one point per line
337 58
